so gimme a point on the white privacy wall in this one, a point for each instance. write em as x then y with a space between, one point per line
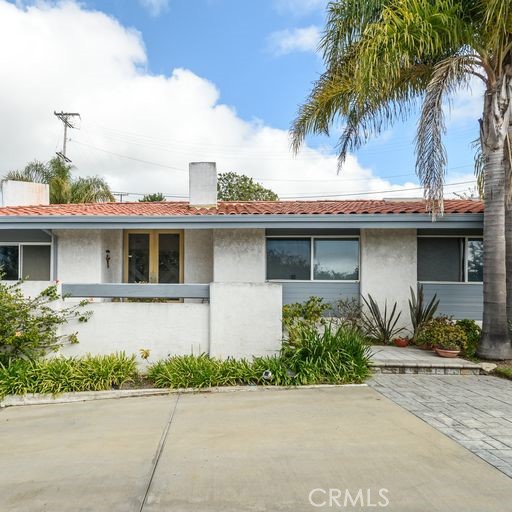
164 328
389 267
239 255
245 319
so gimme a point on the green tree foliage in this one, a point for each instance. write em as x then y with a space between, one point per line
238 187
29 325
64 188
383 58
157 197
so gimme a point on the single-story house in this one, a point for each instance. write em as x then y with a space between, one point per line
231 265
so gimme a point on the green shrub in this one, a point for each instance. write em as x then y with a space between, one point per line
504 372
380 326
61 375
348 312
307 314
336 355
442 332
28 325
333 356
473 333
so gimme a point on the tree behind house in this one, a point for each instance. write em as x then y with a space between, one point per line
157 197
238 187
64 188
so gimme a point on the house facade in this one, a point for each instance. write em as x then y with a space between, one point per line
209 276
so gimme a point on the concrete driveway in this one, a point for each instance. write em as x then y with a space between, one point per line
236 451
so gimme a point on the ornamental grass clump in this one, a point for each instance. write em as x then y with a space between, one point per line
62 375
332 356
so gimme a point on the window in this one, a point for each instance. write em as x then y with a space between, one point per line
23 261
312 258
475 260
450 259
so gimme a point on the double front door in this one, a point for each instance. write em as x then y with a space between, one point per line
153 256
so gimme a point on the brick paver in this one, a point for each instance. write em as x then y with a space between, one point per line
475 411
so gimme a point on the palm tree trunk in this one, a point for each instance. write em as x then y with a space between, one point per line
508 225
495 343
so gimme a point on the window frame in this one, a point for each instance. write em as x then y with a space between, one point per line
312 239
20 245
465 254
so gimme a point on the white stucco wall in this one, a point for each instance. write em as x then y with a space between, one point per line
79 256
245 319
238 255
198 248
24 193
389 267
164 328
112 240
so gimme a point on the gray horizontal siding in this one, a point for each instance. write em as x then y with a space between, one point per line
139 291
330 292
460 300
24 235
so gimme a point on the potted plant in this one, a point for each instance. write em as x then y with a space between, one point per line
441 333
401 342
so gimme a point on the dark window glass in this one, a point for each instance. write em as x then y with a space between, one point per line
9 255
168 258
440 259
36 262
336 259
138 258
289 258
475 260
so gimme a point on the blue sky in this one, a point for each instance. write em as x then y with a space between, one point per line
259 57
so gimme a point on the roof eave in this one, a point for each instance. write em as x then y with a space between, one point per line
389 220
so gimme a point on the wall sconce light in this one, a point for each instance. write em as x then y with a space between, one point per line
107 257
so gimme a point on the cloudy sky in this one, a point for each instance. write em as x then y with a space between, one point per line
160 83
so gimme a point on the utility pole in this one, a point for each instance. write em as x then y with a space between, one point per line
64 117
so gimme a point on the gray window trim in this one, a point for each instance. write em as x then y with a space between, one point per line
312 238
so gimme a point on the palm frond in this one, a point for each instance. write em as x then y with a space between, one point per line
449 75
35 172
92 189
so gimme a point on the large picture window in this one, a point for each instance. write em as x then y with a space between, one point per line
313 258
450 259
31 262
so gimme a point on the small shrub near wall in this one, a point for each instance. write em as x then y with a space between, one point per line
29 325
61 375
337 355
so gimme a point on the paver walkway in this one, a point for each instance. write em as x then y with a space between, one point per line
475 411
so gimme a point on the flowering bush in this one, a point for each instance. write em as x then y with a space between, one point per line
442 332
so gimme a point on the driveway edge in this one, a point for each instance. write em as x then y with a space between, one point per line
86 396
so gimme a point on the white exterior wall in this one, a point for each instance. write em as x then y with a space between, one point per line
389 267
24 193
245 319
198 259
163 328
239 255
79 256
112 240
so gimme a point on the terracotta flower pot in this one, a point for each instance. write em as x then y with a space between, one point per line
401 342
442 352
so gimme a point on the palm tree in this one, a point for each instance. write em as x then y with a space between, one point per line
385 57
63 187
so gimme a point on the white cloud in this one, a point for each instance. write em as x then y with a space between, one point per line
291 40
53 63
155 7
300 7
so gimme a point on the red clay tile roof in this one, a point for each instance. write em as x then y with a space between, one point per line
355 206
